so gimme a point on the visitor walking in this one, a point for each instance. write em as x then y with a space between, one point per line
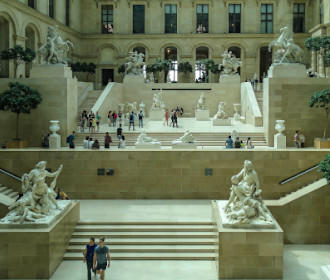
181 112
107 140
119 134
70 140
101 258
89 255
175 118
302 140
166 117
172 118
110 118
123 142
86 142
98 119
93 125
296 139
141 119
120 118
114 119
131 121
229 142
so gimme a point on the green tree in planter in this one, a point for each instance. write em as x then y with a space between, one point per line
91 68
84 68
321 99
324 167
18 55
185 68
19 99
155 68
121 70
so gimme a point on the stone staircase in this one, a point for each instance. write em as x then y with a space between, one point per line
7 195
260 97
166 138
88 103
148 240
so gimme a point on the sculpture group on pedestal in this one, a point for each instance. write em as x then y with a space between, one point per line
134 64
220 118
38 200
230 63
55 50
245 205
157 100
201 103
284 49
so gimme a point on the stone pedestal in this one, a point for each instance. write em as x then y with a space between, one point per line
248 253
148 146
184 146
230 79
156 114
221 122
49 71
55 141
38 252
287 70
321 143
325 272
133 79
202 115
279 141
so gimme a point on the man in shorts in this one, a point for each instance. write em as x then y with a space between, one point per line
101 258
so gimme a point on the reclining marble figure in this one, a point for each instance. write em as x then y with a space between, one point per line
144 139
245 205
187 138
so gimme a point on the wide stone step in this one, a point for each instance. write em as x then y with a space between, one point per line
143 223
147 241
143 228
149 256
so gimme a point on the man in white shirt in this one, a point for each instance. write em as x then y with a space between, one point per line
85 142
90 143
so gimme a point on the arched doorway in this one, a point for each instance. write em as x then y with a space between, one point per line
237 52
140 49
265 62
201 74
171 54
31 44
4 45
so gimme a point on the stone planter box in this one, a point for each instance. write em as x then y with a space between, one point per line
17 144
322 143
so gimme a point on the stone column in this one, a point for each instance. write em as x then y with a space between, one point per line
321 63
314 61
19 40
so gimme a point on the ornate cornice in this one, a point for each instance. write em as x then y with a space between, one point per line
106 2
308 2
129 2
210 1
171 1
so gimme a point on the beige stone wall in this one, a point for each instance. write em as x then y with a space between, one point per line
288 99
163 174
307 219
59 102
36 254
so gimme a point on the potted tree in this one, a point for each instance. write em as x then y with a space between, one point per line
155 68
18 55
19 99
121 71
324 167
321 99
186 69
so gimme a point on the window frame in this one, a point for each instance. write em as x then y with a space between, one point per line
144 18
266 20
202 16
51 8
67 13
295 16
231 29
103 29
175 30
32 4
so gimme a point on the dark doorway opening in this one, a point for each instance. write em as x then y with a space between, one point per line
107 76
265 62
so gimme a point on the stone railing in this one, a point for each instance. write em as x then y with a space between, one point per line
249 105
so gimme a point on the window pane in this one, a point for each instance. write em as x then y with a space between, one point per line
263 27
302 8
167 9
270 8
231 8
205 9
199 9
138 19
263 8
295 8
237 9
269 27
173 9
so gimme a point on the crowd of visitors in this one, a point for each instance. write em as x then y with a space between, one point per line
299 139
175 114
238 144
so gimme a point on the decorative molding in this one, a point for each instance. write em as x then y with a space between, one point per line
97 2
203 2
308 2
144 1
170 1
259 2
235 2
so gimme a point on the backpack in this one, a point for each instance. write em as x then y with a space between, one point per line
131 117
68 139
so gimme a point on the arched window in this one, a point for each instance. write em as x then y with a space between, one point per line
201 75
142 50
4 45
171 53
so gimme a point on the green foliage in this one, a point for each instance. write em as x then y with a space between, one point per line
321 99
158 66
121 69
19 55
327 59
324 167
84 68
185 67
315 43
19 99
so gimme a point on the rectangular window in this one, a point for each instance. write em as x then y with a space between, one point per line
299 18
67 12
266 18
32 4
138 18
107 19
321 12
234 18
170 18
202 11
51 8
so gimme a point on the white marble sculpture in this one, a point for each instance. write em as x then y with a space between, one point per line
168 78
237 116
230 63
186 138
142 107
144 139
245 205
151 77
157 100
220 114
134 64
54 138
38 204
201 103
280 138
55 50
284 49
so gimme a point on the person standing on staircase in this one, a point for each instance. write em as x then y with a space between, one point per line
89 256
101 258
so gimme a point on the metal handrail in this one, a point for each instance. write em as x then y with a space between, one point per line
12 175
299 174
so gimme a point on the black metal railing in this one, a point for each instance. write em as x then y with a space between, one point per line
301 173
10 174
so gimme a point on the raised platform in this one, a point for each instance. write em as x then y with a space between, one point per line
38 252
287 70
